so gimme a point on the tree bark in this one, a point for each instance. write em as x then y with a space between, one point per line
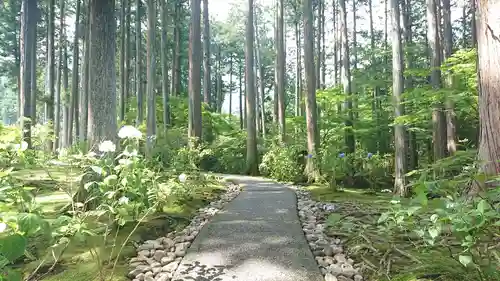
138 65
102 80
195 58
151 75
439 132
27 35
207 80
311 170
346 78
281 57
74 117
50 95
252 157
451 143
84 101
489 84
164 65
397 90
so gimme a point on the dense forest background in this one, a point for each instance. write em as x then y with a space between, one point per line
396 96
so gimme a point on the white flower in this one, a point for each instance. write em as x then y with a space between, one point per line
20 146
123 200
182 177
107 146
125 162
3 227
129 132
91 154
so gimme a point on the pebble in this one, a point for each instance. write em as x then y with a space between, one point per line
328 251
157 259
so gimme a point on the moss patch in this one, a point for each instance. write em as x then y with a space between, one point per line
91 259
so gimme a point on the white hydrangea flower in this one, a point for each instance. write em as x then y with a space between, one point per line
20 146
123 200
129 132
3 227
182 177
107 146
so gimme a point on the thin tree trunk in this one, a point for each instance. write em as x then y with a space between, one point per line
449 105
27 35
122 60
397 89
151 74
281 57
311 109
195 61
230 85
252 157
240 76
164 65
298 71
50 95
346 73
57 125
75 79
128 55
33 71
84 101
138 65
207 82
439 132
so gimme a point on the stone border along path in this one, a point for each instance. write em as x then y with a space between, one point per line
158 259
258 236
328 251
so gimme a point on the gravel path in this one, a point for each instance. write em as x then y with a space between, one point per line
256 237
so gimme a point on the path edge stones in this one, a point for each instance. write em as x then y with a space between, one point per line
158 259
329 252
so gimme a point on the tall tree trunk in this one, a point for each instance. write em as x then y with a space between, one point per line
312 170
318 44
473 24
335 42
207 82
57 104
240 93
449 105
84 101
408 38
74 117
164 65
281 57
489 85
397 90
439 132
355 61
122 60
195 58
138 65
67 94
50 95
298 71
176 56
230 85
27 35
102 80
33 71
128 54
151 74
259 69
252 157
218 81
323 46
346 73
276 68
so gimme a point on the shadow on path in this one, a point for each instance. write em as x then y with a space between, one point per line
257 237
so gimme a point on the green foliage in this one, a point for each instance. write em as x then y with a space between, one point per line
284 162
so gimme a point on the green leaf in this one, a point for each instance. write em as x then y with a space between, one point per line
333 219
434 232
111 180
97 170
12 247
412 210
30 224
465 260
482 206
13 275
383 217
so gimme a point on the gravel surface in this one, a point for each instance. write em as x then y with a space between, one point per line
257 237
